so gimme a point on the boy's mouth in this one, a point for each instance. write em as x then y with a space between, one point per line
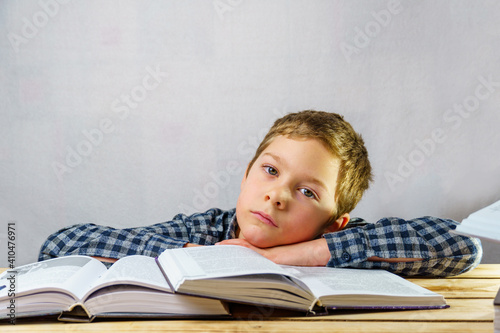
263 217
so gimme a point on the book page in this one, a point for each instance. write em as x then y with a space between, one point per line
133 270
485 223
325 281
490 213
74 274
136 300
471 227
213 262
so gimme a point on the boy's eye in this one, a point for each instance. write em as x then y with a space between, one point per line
270 170
308 193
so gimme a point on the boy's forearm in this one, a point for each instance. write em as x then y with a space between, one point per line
423 246
317 253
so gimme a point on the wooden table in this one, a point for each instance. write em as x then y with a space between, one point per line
469 295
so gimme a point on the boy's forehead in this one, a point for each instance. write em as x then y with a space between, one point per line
283 145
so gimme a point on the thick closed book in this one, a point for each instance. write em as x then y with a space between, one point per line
238 274
485 223
81 288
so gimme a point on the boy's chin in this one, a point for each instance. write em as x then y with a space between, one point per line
255 238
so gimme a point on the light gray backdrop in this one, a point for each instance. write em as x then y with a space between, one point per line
127 112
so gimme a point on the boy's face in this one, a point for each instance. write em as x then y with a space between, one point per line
289 193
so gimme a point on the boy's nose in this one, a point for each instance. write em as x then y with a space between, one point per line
278 197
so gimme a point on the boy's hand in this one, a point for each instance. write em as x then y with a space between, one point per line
112 260
310 253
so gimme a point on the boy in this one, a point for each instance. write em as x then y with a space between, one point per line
307 175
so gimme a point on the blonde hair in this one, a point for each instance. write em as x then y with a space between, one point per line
341 140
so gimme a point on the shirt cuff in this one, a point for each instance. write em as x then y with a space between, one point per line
347 247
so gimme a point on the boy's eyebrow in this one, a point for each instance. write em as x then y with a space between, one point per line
276 157
310 179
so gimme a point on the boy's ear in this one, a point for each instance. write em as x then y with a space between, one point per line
339 224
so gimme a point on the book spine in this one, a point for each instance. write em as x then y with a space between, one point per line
77 313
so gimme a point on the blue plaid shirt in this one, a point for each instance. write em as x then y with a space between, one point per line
429 238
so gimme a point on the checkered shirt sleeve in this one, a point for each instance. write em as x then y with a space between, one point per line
95 240
443 252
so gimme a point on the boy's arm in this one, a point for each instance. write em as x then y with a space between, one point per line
108 244
310 253
423 246
427 243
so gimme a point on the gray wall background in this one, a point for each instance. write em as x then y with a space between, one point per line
127 112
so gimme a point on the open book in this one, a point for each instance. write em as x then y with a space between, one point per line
80 288
485 223
195 282
238 274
